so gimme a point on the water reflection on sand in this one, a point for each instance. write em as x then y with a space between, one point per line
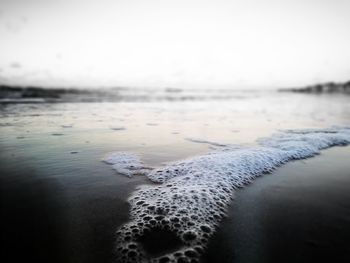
59 147
161 128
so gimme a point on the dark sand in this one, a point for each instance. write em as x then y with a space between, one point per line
300 213
68 219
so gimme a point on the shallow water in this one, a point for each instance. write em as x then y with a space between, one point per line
163 131
52 152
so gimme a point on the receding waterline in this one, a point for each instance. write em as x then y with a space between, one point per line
192 195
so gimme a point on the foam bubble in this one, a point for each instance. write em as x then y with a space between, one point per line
126 163
194 193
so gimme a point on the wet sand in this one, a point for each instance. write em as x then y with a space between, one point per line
62 220
300 213
60 203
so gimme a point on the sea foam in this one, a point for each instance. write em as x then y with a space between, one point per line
192 195
126 163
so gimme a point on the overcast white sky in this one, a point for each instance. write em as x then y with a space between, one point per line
182 43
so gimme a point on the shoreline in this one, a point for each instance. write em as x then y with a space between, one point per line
82 227
299 213
64 207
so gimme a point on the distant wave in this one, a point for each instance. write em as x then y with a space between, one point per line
43 95
191 196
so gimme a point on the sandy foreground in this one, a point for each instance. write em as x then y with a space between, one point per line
299 213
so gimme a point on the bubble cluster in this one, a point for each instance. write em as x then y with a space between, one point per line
194 194
126 163
299 144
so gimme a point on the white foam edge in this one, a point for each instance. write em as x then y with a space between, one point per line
126 163
194 193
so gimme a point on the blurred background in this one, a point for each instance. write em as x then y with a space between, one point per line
182 44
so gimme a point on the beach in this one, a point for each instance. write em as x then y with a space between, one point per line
300 213
181 131
61 203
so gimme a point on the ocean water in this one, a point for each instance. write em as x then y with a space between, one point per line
165 130
61 146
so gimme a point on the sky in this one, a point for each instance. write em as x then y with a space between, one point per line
182 43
